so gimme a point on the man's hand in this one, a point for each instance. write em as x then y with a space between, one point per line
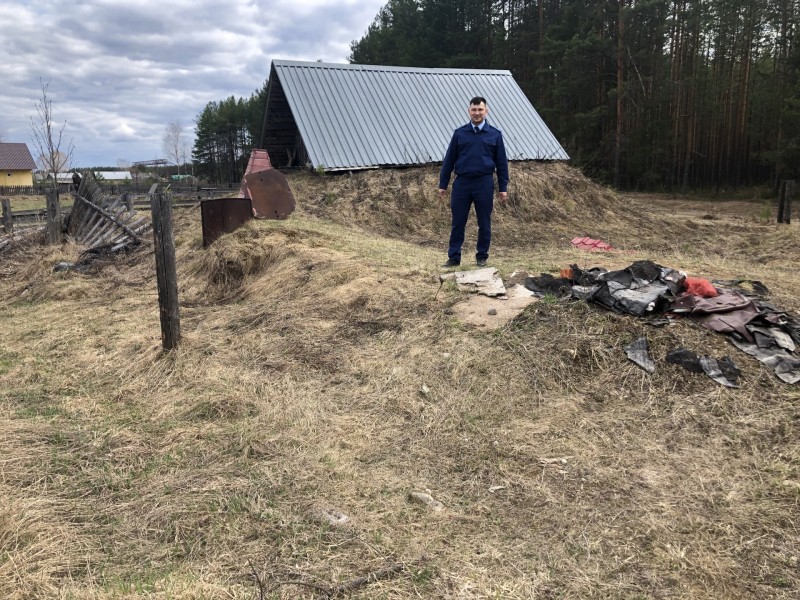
442 193
503 197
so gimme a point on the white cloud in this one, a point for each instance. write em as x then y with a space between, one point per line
123 131
119 72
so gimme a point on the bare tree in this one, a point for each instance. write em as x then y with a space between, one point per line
54 150
185 156
58 159
174 143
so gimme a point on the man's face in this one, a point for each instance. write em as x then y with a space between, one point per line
477 113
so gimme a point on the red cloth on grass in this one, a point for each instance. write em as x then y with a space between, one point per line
590 244
697 286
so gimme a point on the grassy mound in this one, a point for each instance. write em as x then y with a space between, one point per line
548 202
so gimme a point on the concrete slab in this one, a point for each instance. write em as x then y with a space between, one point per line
480 281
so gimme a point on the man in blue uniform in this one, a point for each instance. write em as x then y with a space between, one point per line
476 151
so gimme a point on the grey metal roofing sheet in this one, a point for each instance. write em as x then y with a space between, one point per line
361 116
114 175
16 157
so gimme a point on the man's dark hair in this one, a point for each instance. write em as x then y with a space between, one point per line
478 100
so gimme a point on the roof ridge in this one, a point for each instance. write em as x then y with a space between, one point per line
363 67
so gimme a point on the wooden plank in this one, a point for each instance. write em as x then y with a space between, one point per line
102 233
108 238
88 215
119 246
85 216
90 191
137 224
97 222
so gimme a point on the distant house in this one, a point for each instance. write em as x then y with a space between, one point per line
114 176
64 177
16 165
346 117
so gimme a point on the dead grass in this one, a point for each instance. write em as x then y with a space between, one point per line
32 202
298 388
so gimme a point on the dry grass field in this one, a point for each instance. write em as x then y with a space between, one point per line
323 375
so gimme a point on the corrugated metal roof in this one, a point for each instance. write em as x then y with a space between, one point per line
361 116
113 175
16 157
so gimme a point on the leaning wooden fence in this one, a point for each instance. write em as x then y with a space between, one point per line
99 220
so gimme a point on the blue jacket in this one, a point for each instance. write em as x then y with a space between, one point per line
475 154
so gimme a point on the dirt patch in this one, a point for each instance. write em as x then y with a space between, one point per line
490 313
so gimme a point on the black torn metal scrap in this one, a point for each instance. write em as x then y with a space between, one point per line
547 285
646 289
768 350
640 289
753 325
724 371
639 352
747 287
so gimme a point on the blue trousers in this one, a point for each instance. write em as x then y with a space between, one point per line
466 192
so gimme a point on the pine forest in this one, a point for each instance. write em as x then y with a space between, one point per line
643 94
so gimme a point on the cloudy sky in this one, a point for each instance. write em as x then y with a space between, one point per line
120 71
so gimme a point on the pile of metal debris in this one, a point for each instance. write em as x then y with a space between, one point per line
737 309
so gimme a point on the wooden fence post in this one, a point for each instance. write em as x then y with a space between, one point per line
127 198
788 196
167 275
53 218
8 221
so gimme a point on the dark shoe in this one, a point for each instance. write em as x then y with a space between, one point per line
451 262
481 262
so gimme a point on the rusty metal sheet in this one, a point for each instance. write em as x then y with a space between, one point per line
270 194
223 215
259 161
